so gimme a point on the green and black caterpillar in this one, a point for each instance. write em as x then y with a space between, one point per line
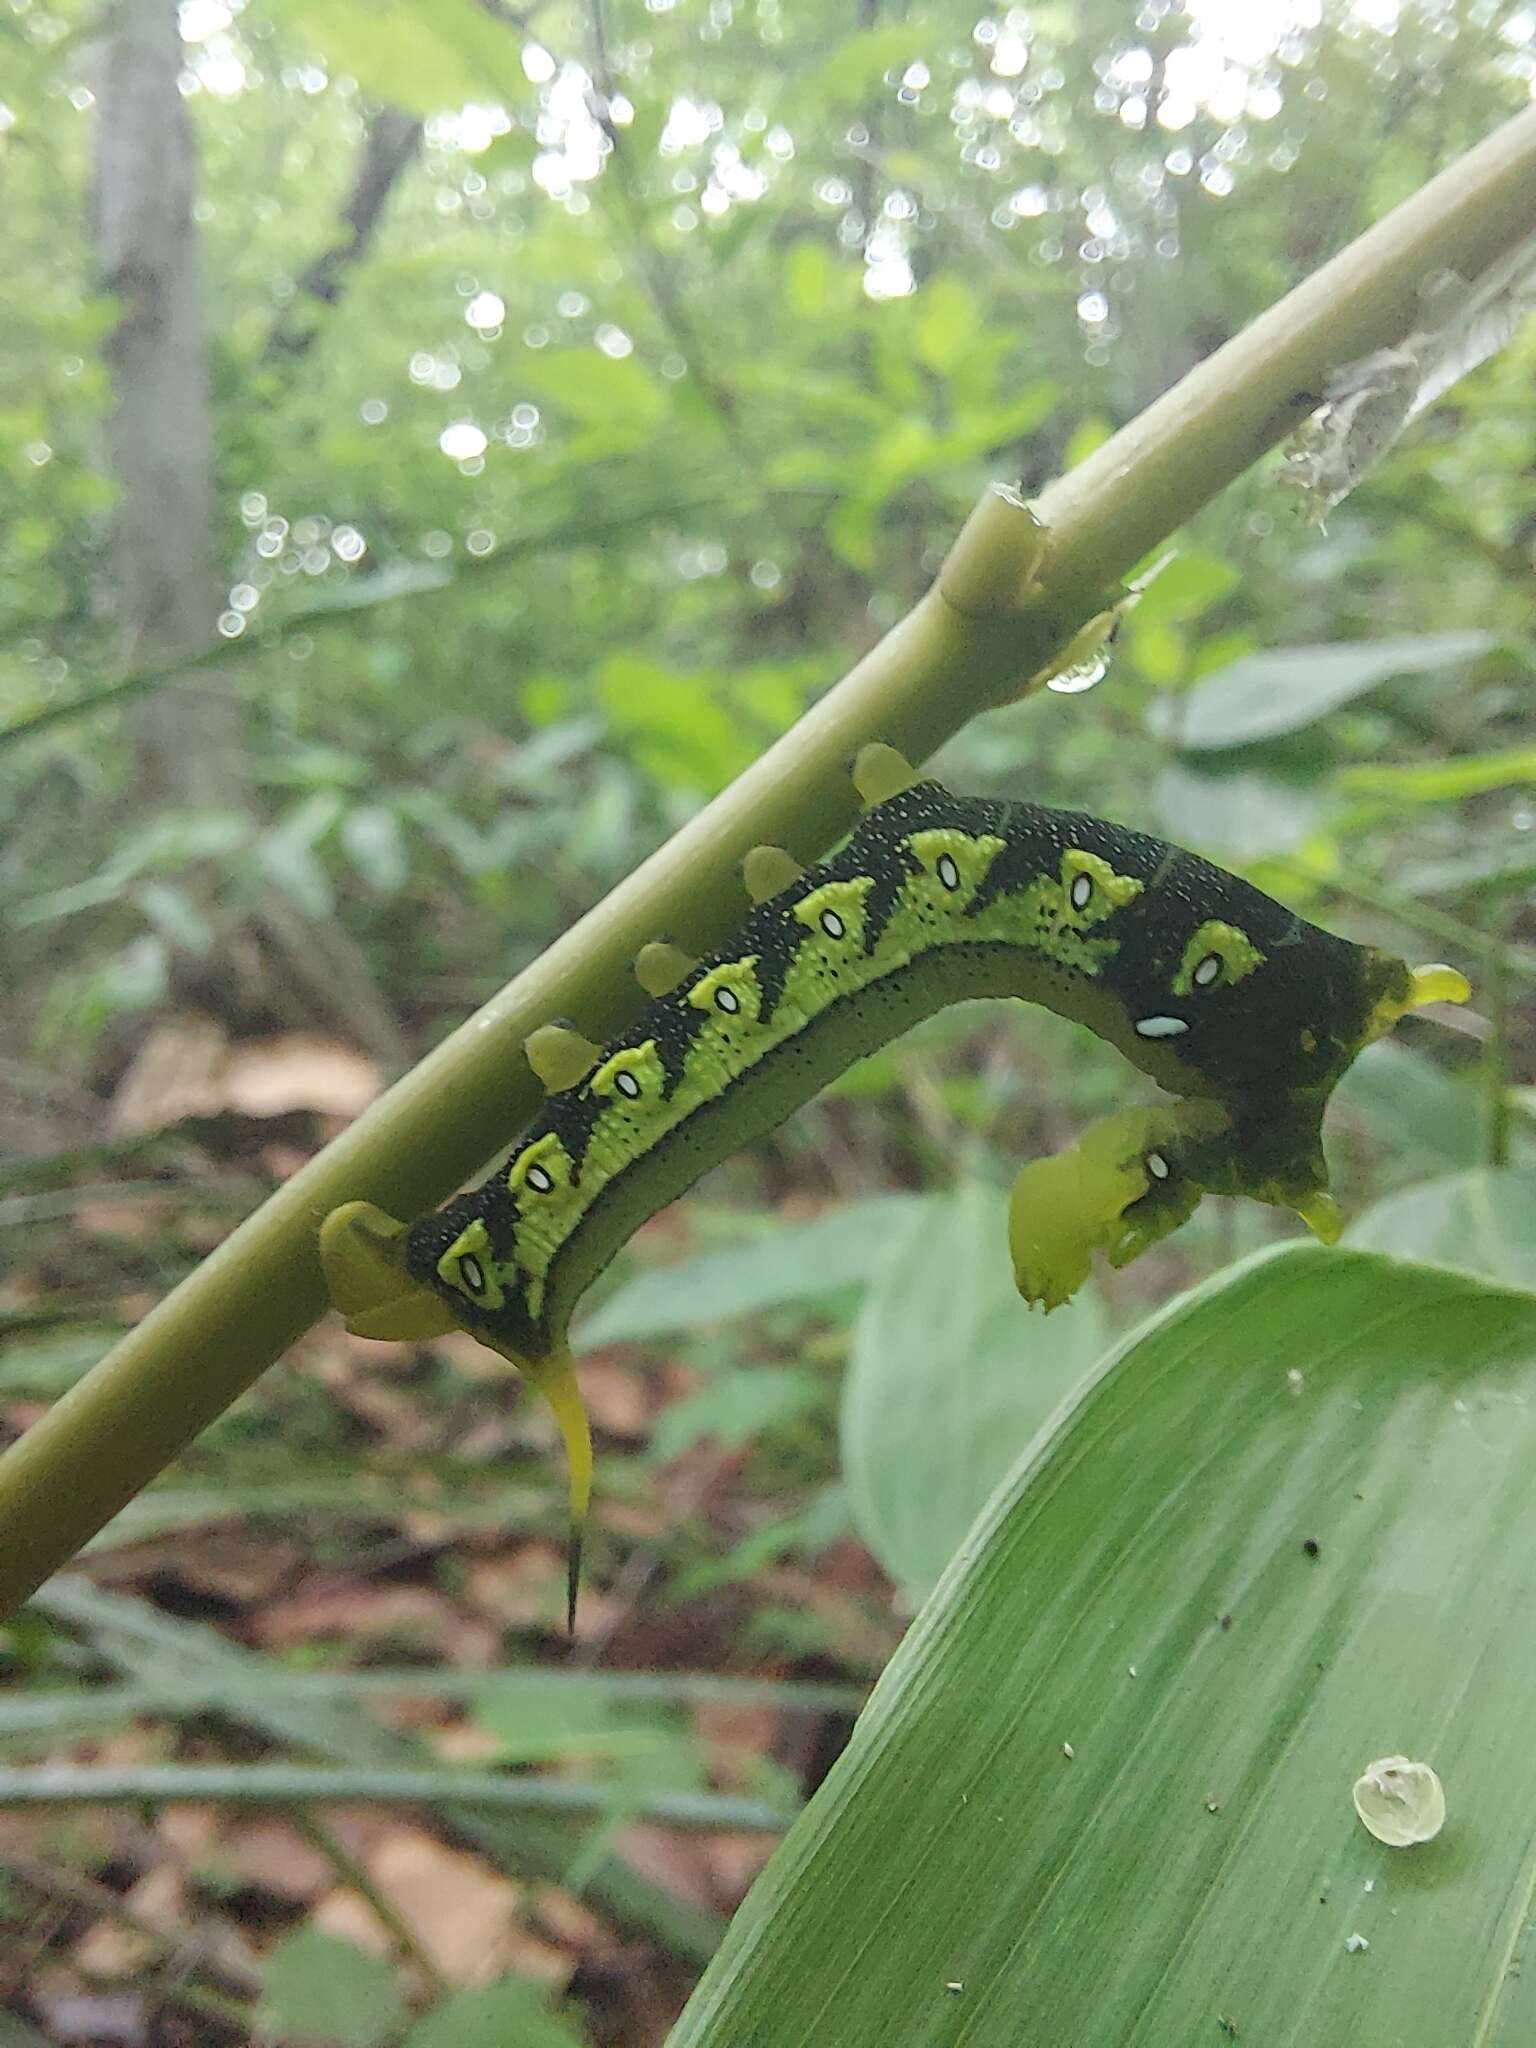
1224 997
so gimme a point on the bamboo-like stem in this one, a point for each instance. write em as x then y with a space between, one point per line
292 1785
987 624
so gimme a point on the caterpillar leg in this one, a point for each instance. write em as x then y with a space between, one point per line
1066 1208
362 1251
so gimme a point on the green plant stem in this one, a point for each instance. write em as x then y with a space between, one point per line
289 1785
972 641
353 1875
39 1716
1495 1075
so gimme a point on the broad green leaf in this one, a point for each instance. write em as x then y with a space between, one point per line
1102 1794
1483 1221
510 2013
1400 1095
323 1991
1285 688
1443 782
792 1263
1234 817
949 1377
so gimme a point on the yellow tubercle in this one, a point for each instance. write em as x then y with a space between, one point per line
768 871
1434 984
660 966
1439 984
362 1252
879 773
559 1056
1322 1216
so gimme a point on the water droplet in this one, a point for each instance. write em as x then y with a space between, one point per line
1071 682
231 624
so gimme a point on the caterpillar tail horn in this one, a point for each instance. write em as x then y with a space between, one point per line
555 1378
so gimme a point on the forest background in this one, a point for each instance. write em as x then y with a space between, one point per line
551 402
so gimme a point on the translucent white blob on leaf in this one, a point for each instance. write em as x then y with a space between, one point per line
1400 1802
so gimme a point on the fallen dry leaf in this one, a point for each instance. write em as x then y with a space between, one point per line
299 1070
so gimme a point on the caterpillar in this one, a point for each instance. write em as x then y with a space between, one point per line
1232 1003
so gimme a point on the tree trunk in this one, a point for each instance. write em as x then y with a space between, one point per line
164 584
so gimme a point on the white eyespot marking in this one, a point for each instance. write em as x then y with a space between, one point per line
1081 894
1208 970
832 924
472 1273
542 1181
627 1084
949 872
1160 1027
1158 1166
727 999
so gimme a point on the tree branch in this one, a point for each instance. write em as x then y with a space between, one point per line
389 144
997 614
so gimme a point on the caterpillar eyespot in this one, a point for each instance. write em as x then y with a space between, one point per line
1254 1080
1160 1027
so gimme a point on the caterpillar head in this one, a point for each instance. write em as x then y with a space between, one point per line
1136 1176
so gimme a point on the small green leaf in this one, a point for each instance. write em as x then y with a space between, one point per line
319 1992
507 2014
375 845
1443 782
1285 688
737 1407
949 318
949 1378
422 57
